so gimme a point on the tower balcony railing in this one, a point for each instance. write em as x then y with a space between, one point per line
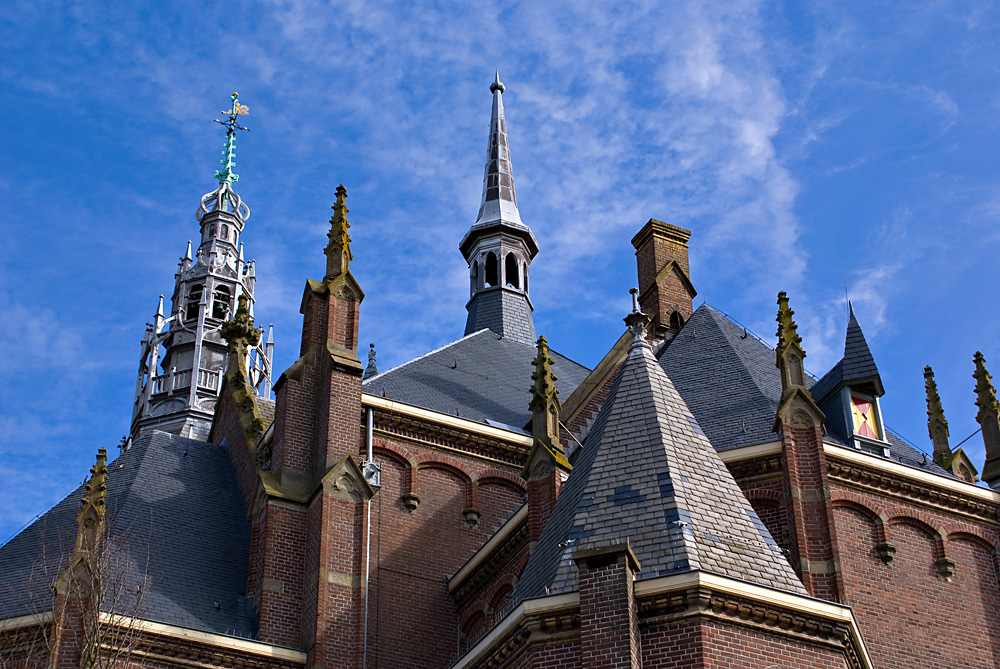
208 379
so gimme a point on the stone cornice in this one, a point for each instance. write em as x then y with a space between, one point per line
504 542
513 634
666 599
429 428
181 647
889 478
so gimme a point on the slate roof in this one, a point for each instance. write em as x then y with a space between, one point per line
730 383
858 361
647 474
482 377
727 378
171 501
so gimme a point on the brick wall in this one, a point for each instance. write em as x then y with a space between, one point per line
910 616
280 600
609 636
413 621
719 645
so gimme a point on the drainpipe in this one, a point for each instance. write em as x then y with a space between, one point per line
368 539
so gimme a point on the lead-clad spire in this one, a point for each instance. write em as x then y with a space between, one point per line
499 247
499 201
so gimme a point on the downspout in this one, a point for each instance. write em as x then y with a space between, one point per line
369 419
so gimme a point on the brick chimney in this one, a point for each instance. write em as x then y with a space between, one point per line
665 289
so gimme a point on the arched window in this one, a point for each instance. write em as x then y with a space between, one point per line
211 230
492 267
193 301
526 278
676 321
225 232
475 275
510 271
220 302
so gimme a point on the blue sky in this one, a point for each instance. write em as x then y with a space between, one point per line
806 145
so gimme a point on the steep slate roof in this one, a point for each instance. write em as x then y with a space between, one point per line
727 378
858 361
481 377
171 500
730 383
647 475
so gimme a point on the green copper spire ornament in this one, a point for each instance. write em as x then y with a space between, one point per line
226 174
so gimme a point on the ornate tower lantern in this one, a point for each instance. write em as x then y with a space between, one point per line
183 355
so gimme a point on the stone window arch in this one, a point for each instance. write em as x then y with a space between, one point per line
474 275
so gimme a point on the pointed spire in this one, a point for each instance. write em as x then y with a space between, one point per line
187 254
989 420
270 334
338 251
499 202
90 519
159 308
371 370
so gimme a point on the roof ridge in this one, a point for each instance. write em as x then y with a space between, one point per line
425 355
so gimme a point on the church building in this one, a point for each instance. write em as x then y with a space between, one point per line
695 500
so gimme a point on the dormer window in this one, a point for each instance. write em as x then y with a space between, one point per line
866 424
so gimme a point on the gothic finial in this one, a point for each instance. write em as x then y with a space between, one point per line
187 254
90 519
496 85
937 425
789 357
545 408
636 320
240 332
787 330
989 420
371 370
159 308
338 251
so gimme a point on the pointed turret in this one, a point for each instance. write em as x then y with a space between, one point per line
989 420
498 247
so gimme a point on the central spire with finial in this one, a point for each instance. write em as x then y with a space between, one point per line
498 247
499 201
